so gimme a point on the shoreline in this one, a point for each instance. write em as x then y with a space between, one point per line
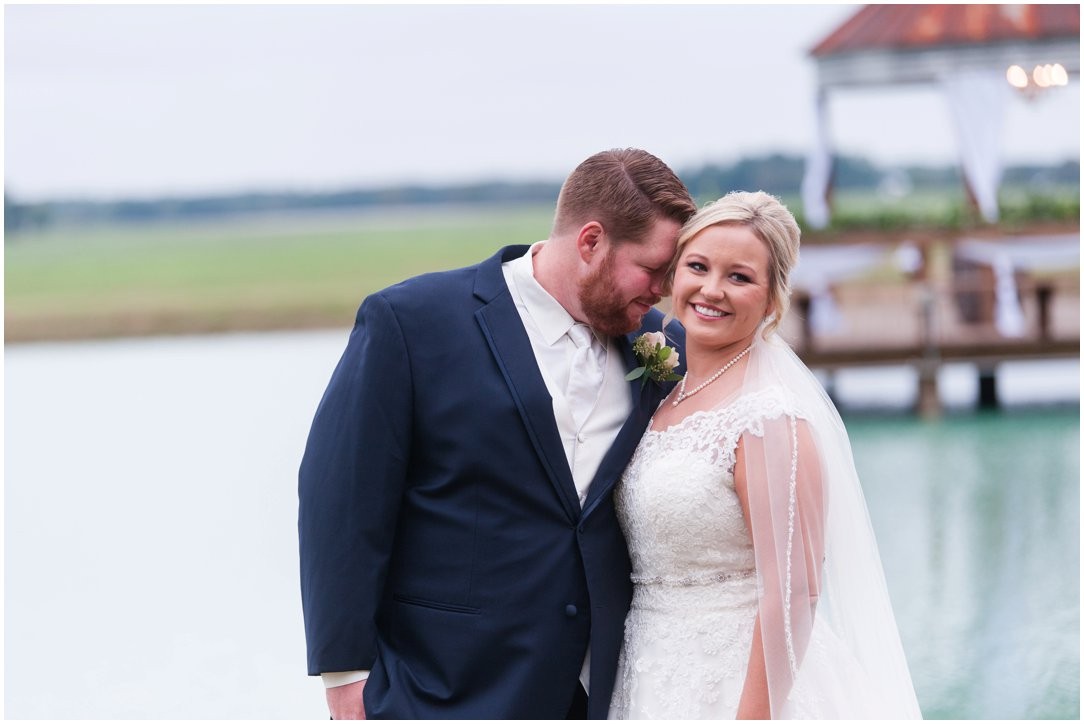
860 392
70 328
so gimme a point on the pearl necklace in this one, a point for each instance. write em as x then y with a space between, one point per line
683 395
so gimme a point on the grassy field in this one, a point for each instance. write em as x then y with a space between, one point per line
288 273
313 270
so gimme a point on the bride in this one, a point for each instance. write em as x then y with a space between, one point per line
758 590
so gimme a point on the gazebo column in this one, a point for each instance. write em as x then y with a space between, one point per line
817 181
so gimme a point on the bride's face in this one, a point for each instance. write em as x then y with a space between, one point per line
721 287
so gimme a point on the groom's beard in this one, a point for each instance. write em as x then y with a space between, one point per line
606 313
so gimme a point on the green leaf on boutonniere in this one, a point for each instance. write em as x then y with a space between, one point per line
657 360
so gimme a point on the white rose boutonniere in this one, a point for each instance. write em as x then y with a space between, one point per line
657 361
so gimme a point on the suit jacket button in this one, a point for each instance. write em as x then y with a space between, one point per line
570 611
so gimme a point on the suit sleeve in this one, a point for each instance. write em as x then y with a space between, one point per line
350 486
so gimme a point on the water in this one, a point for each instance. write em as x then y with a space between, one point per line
977 518
151 550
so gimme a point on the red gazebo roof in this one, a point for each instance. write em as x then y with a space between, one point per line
919 27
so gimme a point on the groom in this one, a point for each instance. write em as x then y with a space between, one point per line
460 554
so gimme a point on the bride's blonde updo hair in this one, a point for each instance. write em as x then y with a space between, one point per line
771 222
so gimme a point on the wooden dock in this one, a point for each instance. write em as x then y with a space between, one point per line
939 314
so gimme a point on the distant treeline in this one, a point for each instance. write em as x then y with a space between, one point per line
776 173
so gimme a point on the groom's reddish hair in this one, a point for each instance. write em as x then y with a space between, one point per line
626 190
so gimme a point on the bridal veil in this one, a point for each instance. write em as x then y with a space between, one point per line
830 640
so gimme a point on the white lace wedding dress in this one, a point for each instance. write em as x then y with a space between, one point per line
690 628
689 632
813 579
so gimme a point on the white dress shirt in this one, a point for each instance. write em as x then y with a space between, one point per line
547 324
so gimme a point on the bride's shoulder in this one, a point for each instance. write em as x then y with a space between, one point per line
765 403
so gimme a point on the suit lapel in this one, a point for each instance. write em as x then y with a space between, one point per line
511 347
646 399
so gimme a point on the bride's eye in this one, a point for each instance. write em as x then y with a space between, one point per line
697 266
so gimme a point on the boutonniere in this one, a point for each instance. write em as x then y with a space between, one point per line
657 361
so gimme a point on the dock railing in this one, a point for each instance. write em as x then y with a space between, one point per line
926 323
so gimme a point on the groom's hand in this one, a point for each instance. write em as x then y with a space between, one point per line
345 702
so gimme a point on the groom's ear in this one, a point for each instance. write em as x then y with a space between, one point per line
589 241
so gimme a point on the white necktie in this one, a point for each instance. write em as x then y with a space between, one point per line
586 374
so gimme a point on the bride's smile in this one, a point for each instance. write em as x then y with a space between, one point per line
704 310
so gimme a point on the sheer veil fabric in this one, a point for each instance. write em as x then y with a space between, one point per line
827 626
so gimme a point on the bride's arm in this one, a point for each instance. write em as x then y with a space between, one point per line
765 511
754 703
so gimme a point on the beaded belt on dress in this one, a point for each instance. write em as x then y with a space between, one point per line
700 580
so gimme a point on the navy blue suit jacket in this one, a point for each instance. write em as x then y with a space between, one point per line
442 541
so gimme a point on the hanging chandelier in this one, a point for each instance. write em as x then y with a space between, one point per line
1042 78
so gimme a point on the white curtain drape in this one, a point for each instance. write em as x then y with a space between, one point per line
822 266
1018 254
977 101
818 168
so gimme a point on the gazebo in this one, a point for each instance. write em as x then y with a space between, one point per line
975 53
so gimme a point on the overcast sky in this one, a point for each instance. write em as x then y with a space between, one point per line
108 101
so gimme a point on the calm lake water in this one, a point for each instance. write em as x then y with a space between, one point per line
151 549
